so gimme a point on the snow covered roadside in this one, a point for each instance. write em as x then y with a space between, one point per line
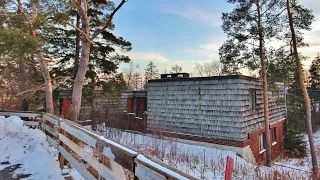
200 161
29 147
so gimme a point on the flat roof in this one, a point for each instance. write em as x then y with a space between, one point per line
204 78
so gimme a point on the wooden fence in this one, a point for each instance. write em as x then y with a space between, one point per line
92 155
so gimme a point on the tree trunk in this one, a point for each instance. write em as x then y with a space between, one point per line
93 112
47 80
82 8
24 106
305 96
79 80
76 60
43 67
265 90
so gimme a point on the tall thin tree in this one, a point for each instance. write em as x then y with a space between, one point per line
87 38
290 5
43 64
22 74
251 25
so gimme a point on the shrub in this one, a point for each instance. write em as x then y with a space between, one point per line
294 143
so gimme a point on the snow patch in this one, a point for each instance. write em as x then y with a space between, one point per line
14 124
108 153
118 145
29 147
75 175
161 168
79 134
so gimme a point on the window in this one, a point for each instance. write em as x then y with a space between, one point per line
274 136
262 142
252 100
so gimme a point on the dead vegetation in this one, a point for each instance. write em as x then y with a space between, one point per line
201 164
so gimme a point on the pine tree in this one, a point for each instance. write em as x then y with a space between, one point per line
301 18
151 72
294 143
90 31
16 41
249 27
315 72
98 43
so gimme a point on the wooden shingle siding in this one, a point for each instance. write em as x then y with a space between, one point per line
254 120
208 107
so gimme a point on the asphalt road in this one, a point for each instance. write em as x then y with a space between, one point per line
7 173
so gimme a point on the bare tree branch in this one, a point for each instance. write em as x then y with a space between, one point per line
42 86
96 34
80 31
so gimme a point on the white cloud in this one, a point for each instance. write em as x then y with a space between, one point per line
194 13
211 46
147 56
209 49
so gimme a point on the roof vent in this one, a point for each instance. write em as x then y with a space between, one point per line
175 75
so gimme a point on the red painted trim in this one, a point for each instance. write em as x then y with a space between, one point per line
229 168
276 150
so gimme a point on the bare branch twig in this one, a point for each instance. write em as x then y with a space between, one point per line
96 34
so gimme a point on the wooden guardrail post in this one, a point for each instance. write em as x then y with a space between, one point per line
69 137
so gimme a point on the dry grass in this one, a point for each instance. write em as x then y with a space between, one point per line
200 164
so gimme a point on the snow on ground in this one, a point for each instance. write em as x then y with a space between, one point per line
304 163
29 147
200 161
75 175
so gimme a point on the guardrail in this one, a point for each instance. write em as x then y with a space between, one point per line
94 156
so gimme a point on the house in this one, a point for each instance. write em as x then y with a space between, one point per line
108 106
225 112
134 102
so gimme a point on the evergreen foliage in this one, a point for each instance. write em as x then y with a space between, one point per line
315 72
294 143
241 49
151 72
104 57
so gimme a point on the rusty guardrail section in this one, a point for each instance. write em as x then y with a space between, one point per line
94 156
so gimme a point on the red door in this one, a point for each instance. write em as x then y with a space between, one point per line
65 107
130 105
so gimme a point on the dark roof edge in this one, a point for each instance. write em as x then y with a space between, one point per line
204 78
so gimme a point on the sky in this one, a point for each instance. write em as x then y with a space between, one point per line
185 32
